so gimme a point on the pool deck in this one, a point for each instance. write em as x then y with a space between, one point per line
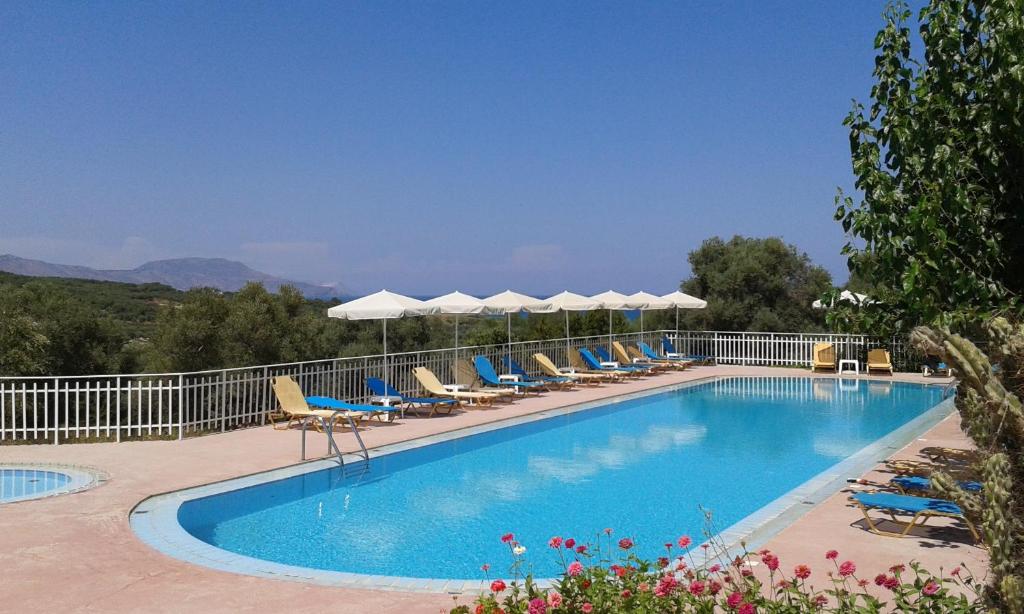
83 544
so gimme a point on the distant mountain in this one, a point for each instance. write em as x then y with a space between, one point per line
180 273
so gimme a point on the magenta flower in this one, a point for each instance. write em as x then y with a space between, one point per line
734 599
625 543
507 538
684 541
575 568
497 586
802 571
770 560
847 568
930 589
832 555
587 607
555 542
696 587
569 543
747 608
554 599
538 606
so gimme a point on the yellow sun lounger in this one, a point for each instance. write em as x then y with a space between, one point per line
623 357
293 406
879 360
466 376
549 368
638 355
433 387
578 366
824 357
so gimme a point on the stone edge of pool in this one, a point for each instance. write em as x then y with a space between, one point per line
82 478
154 519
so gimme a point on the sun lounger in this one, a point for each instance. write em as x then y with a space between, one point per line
547 366
486 371
879 360
917 483
648 352
591 362
670 352
921 508
434 387
294 407
435 404
557 381
467 377
627 364
638 359
371 411
824 357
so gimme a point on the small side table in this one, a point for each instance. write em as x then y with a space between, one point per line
454 387
852 364
388 401
509 377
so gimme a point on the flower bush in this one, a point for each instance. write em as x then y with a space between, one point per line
607 575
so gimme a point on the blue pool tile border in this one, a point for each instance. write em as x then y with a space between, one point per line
82 478
155 519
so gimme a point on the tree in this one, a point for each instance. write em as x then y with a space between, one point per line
23 346
754 284
187 336
938 162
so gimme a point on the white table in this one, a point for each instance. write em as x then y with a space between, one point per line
388 401
454 387
508 377
853 364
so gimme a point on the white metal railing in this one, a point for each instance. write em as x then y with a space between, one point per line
162 405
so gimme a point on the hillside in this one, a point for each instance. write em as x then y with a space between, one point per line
179 273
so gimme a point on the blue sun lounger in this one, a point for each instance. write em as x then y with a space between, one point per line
606 357
336 404
670 352
921 508
595 365
918 483
489 376
515 369
436 404
649 352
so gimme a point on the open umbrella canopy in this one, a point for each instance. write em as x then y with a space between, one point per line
685 301
653 302
458 303
381 305
569 301
618 301
846 297
513 302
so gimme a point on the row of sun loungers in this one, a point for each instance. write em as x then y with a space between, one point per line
477 385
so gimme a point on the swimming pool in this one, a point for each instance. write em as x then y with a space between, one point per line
24 482
640 466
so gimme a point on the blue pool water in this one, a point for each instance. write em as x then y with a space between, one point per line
18 484
640 466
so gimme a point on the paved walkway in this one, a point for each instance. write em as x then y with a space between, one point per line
77 552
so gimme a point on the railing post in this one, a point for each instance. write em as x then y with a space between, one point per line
181 406
223 400
56 412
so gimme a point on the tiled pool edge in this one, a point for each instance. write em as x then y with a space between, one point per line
82 478
154 520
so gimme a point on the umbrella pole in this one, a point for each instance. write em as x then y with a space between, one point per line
456 336
385 321
508 316
609 332
567 330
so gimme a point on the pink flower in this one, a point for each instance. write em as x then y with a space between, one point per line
862 583
898 568
555 542
575 568
581 549
497 586
955 572
626 594
485 567
587 607
747 608
684 541
643 587
784 583
608 531
715 568
746 572
847 568
662 562
880 579
714 587
625 543
930 589
618 570
820 601
537 606
554 599
696 587
892 583
770 560
832 555
668 545
666 585
802 571
734 599
507 538
569 543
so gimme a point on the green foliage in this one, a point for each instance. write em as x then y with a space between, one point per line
938 159
23 346
756 285
992 415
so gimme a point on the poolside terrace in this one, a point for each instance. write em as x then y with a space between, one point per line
104 566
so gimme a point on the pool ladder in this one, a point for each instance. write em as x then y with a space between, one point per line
332 446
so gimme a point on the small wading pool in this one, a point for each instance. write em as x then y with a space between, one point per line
751 450
23 482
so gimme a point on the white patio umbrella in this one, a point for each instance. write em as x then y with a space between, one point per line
458 304
681 300
381 306
568 301
509 302
616 301
846 297
653 303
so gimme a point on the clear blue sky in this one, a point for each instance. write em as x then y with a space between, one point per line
428 146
